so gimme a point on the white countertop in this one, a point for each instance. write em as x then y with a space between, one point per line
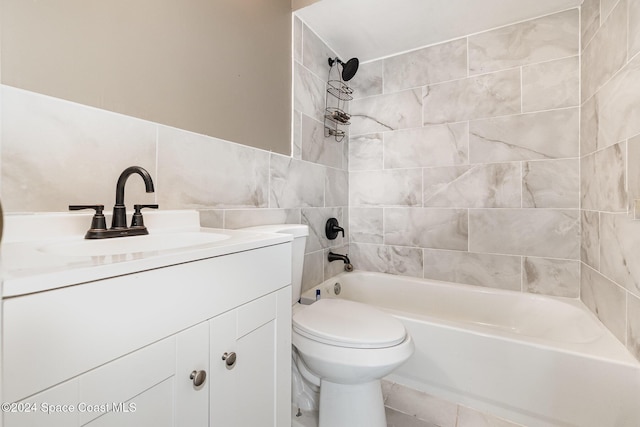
28 266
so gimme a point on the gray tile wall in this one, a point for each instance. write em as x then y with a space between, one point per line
56 153
609 163
464 160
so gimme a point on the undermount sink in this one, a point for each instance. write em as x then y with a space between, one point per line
135 244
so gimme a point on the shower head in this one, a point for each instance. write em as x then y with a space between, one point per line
349 68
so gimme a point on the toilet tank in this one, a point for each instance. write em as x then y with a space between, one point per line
299 233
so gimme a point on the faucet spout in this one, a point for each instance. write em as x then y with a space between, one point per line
343 258
119 210
122 180
338 257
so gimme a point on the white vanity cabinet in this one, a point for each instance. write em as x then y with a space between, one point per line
134 341
248 346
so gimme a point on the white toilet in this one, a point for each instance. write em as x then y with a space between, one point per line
343 346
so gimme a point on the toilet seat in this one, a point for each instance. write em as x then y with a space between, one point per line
343 323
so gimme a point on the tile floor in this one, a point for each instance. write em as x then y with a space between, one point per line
410 408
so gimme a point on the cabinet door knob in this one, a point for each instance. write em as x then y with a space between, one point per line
198 377
229 359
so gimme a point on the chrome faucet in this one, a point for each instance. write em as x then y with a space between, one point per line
98 229
119 219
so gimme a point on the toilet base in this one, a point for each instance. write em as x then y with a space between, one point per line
351 405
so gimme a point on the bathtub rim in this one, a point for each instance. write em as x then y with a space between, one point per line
606 347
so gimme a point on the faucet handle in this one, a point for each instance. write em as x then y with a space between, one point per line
331 229
138 207
98 208
136 220
98 222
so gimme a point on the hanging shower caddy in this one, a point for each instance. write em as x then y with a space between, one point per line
337 96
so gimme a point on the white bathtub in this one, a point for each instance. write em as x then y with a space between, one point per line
535 360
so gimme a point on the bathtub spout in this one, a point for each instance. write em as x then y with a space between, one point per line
338 257
343 258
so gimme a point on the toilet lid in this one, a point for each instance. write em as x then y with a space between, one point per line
348 324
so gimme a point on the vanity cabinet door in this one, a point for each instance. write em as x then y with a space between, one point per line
192 377
243 365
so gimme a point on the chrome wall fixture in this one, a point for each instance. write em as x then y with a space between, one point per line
338 94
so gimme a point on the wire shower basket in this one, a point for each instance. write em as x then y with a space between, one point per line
335 116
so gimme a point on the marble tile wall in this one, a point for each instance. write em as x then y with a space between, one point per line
464 160
610 166
56 153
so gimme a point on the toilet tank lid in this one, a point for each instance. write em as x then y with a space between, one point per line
296 230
